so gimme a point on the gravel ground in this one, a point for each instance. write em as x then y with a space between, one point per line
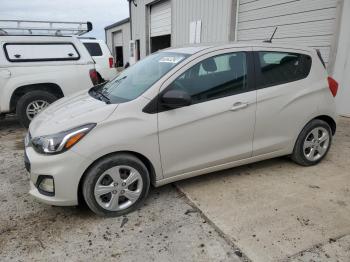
166 228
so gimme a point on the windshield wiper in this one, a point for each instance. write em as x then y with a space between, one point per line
101 96
107 100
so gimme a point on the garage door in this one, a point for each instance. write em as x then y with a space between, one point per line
118 38
161 19
303 22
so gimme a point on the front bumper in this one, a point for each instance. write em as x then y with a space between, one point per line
66 169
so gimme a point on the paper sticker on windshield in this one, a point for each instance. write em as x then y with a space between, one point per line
170 59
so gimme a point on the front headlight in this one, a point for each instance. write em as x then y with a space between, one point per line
60 142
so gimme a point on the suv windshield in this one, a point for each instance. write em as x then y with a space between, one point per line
135 80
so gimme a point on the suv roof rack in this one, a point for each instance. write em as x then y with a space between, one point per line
46 28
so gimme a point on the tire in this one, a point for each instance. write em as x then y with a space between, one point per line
26 101
110 201
302 153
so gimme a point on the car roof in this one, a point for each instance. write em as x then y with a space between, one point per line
192 49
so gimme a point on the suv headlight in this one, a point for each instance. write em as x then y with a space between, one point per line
60 142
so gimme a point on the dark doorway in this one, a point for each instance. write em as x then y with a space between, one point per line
119 56
137 43
160 42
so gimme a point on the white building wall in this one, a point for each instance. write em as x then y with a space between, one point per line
139 19
341 70
124 29
217 17
303 22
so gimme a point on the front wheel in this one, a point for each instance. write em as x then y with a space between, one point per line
313 143
31 104
116 185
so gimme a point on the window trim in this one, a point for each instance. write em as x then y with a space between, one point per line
40 59
155 106
257 66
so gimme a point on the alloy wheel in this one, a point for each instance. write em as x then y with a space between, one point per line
118 188
316 144
35 108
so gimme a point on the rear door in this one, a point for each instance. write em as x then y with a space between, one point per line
217 128
284 98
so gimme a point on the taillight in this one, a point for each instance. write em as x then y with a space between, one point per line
111 62
333 86
94 76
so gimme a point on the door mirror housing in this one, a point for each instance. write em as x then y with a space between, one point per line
176 99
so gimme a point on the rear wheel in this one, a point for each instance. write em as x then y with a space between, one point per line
313 143
116 185
31 104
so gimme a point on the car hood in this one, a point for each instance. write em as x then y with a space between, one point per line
70 112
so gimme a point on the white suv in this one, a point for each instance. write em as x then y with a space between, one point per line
37 70
102 57
181 113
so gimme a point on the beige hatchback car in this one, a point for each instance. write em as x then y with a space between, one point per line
180 113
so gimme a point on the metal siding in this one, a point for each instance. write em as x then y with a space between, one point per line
139 22
342 61
305 22
214 15
123 29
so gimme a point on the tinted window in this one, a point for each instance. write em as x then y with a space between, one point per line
275 68
38 52
215 77
94 49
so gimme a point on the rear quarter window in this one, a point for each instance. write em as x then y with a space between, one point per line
94 49
37 52
276 68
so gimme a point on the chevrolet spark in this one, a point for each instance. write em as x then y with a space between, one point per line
180 113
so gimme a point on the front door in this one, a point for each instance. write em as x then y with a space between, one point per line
217 128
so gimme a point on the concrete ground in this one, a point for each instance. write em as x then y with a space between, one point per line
277 210
166 228
269 211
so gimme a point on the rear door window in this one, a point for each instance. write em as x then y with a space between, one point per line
276 68
94 49
36 52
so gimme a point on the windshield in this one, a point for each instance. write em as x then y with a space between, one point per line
135 80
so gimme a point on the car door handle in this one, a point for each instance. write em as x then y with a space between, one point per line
238 105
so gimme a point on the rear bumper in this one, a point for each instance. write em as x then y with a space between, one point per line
107 73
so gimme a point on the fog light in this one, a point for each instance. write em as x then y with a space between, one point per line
46 185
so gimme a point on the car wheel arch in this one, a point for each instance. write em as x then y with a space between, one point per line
21 90
329 120
140 156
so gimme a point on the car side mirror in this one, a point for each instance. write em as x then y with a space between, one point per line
176 99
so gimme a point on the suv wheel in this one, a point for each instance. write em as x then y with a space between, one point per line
31 104
116 185
313 143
